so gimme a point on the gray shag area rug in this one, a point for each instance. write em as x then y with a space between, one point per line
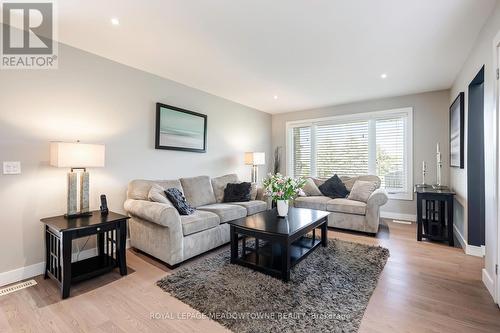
328 291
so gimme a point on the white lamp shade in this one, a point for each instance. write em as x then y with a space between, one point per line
255 158
76 155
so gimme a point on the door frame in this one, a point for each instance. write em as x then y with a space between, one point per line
496 115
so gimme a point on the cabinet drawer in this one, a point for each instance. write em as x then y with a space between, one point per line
95 230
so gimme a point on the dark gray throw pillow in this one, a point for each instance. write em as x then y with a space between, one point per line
178 201
334 188
237 192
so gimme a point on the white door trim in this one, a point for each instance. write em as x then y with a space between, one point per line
496 247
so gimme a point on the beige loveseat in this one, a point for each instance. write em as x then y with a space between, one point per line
349 214
158 229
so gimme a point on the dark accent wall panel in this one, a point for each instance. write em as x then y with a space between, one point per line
475 161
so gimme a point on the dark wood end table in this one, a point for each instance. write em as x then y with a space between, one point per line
284 242
111 231
435 214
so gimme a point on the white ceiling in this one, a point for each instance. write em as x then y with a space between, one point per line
308 53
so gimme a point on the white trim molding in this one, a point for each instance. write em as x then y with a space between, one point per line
22 273
488 281
495 247
472 250
398 216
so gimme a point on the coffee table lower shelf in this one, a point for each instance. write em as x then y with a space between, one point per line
267 257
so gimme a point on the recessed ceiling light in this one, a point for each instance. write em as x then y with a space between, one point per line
115 21
275 96
383 76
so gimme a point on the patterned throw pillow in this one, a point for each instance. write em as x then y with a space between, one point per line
334 188
237 192
177 199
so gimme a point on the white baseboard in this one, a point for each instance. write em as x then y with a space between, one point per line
398 216
28 272
489 283
460 237
22 273
472 250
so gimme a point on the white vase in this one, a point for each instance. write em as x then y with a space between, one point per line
282 207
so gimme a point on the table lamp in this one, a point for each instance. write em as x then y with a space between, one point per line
255 159
78 157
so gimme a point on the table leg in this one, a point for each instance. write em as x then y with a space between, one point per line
66 261
234 245
419 218
100 244
449 207
47 252
324 234
285 261
122 238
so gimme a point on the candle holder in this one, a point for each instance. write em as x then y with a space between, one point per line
439 167
424 172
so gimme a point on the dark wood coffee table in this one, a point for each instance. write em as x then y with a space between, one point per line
284 239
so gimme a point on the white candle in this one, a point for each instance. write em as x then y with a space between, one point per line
423 165
437 147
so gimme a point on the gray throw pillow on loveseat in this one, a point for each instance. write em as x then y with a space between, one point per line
362 190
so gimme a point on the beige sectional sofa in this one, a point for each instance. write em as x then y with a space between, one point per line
349 214
158 229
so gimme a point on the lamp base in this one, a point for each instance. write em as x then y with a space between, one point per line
77 215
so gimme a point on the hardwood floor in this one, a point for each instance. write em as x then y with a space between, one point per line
425 287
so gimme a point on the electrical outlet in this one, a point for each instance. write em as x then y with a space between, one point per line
12 168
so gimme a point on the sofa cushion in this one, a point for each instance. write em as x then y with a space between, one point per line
226 212
157 194
318 181
334 188
316 202
362 190
253 191
253 206
198 191
349 181
346 206
178 201
139 189
310 188
237 192
220 183
198 221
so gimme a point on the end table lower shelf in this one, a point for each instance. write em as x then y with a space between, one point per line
111 233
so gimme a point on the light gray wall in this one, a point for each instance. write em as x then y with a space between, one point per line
430 125
96 100
481 54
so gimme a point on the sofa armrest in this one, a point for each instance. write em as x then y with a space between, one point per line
378 198
154 212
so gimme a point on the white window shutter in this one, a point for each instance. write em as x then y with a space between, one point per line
390 164
342 149
301 137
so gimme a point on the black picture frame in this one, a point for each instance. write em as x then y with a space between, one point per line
457 132
159 145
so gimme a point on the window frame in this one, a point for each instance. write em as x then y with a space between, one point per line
406 112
